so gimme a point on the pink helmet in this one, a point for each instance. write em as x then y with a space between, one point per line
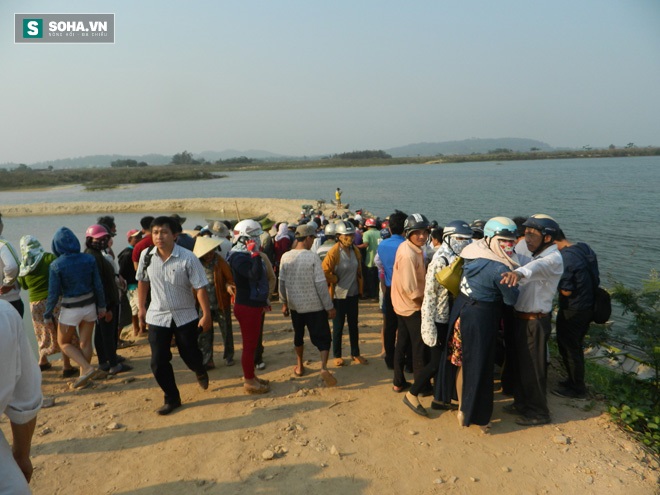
96 231
370 222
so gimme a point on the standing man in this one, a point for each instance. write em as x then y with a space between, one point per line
175 278
10 291
538 276
127 272
408 282
371 239
20 400
304 294
576 301
386 254
338 197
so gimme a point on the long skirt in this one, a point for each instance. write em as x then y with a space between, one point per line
479 324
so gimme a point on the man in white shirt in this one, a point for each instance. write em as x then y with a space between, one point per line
538 276
304 294
20 400
175 278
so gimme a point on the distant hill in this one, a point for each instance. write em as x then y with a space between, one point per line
464 147
468 146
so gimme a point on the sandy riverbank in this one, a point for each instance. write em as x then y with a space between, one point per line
357 438
278 209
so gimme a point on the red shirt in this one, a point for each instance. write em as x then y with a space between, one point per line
144 243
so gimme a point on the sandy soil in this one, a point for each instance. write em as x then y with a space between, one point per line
357 438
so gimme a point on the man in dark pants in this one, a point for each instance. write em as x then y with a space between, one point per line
385 258
576 301
538 276
175 278
408 282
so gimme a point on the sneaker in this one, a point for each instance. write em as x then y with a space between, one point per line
229 362
260 366
533 421
568 393
120 368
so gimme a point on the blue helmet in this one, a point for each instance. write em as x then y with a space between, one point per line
502 227
457 227
545 224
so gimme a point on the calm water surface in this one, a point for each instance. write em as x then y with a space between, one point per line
612 203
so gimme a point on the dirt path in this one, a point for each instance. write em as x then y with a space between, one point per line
357 438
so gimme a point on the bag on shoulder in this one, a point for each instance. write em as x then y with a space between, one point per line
602 306
450 276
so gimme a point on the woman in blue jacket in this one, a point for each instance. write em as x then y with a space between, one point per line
75 278
476 317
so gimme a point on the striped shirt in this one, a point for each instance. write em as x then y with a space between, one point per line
171 282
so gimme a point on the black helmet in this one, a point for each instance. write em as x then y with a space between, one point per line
457 227
416 221
544 224
478 228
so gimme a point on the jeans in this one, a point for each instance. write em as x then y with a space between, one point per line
347 309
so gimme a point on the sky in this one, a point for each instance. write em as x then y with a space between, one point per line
314 77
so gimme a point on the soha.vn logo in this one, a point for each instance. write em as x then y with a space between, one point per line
33 28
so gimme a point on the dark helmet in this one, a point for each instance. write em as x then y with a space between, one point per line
416 221
544 224
457 227
478 228
502 227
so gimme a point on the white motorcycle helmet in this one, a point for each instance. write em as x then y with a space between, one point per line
245 229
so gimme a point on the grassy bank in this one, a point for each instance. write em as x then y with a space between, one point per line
24 177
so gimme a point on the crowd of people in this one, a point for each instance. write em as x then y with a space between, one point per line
172 285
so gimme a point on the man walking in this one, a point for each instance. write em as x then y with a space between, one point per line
175 278
576 301
304 294
538 276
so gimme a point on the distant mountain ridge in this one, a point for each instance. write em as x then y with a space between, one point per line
468 146
464 147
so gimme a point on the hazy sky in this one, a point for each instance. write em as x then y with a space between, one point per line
311 77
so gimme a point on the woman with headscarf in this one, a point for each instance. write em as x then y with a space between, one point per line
33 277
251 299
476 317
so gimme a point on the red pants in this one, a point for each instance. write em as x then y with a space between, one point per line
249 319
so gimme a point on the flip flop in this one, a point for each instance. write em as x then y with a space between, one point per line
339 362
84 379
328 378
299 373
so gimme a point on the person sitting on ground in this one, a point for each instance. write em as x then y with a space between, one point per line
75 277
304 295
33 277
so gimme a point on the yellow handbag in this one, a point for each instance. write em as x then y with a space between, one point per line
450 276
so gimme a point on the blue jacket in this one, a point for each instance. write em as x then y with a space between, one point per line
387 253
73 273
481 282
580 274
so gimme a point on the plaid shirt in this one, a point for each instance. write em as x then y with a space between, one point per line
171 282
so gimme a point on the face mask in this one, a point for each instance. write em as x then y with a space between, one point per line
346 241
507 247
458 245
